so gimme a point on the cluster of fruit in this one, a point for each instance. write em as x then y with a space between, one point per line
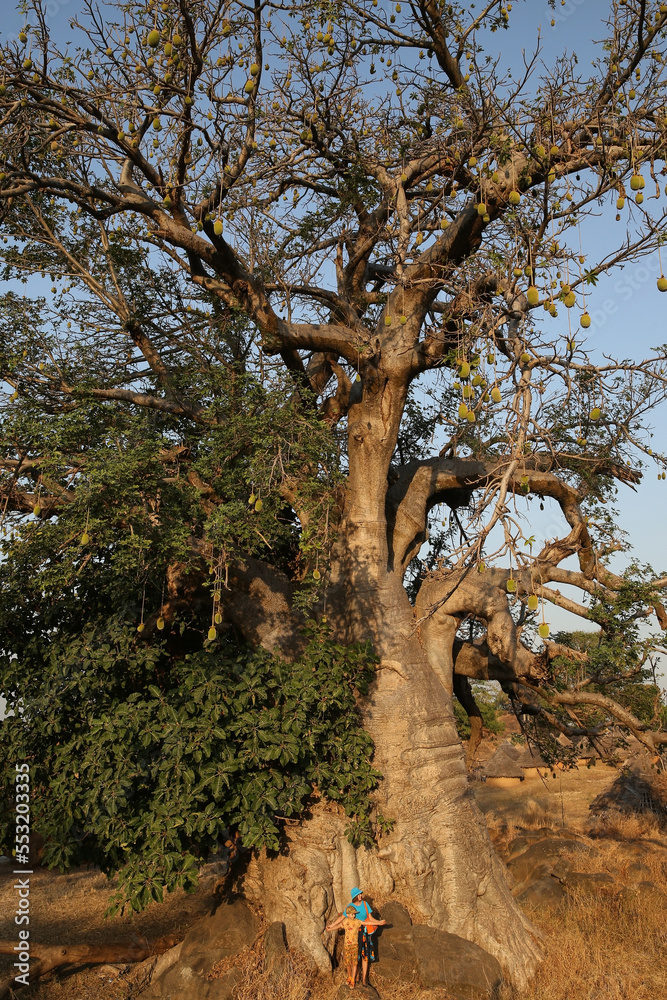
469 379
566 295
256 502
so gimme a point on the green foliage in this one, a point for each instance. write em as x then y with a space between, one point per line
145 747
619 662
490 703
149 488
141 761
251 436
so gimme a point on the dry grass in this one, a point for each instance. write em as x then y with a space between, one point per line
530 815
296 980
397 991
535 816
635 806
599 948
615 859
561 801
629 828
596 947
68 909
80 985
291 981
611 946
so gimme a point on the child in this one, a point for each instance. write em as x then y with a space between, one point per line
348 921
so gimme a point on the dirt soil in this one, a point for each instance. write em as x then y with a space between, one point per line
69 909
562 801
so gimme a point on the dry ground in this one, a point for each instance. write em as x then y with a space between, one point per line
69 909
560 801
597 948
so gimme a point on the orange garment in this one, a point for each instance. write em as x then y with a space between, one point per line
351 926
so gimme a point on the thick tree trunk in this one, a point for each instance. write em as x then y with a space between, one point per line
438 858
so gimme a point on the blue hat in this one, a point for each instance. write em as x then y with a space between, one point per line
355 892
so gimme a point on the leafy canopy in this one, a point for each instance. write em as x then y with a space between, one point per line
141 762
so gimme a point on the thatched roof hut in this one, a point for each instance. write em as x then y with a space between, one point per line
501 771
586 751
632 748
618 745
563 751
531 763
512 751
531 757
635 792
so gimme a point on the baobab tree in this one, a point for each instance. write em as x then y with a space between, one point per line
317 285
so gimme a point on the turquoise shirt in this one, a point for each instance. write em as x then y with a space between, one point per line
363 910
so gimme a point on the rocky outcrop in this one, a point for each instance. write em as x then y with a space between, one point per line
546 891
431 957
358 993
193 976
545 871
590 883
544 858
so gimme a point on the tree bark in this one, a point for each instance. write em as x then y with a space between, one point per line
438 859
463 692
52 957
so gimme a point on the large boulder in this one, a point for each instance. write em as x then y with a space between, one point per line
590 883
463 968
358 993
541 859
181 983
529 837
225 933
638 870
546 891
431 957
517 846
397 959
396 915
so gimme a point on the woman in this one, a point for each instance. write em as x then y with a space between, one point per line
352 927
367 952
